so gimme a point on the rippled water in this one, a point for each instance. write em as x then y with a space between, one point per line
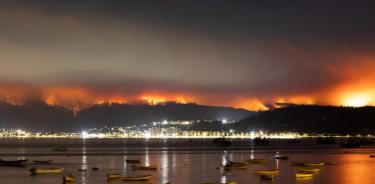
196 164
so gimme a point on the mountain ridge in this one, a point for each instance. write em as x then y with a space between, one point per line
39 116
312 119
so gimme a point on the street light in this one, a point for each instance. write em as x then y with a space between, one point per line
224 121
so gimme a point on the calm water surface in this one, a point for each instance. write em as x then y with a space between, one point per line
193 165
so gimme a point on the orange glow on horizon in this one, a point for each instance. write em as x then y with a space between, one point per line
154 99
250 104
112 100
354 94
79 98
357 98
296 100
357 101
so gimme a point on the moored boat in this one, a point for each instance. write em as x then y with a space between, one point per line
42 161
136 178
294 141
68 178
304 175
113 176
236 165
267 172
313 163
307 169
133 161
229 167
277 156
59 149
14 163
280 157
46 170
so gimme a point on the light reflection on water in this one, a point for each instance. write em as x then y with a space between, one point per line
124 163
223 179
147 157
358 169
22 150
224 159
277 162
199 166
84 164
174 163
164 167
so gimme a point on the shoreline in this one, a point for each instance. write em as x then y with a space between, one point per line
195 150
93 147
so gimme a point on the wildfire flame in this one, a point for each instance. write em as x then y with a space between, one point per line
78 98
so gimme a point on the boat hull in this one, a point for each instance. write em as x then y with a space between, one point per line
267 172
314 164
304 175
46 170
68 178
133 161
14 163
136 178
113 176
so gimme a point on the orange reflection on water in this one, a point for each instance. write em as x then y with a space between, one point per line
355 168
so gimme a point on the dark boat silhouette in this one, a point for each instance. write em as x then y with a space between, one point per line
14 163
277 156
59 149
293 141
42 161
134 161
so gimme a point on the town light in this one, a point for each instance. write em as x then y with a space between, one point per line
84 134
224 121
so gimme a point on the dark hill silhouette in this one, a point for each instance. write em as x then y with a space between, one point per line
35 115
38 116
312 119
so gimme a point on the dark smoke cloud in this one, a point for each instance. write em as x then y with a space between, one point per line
217 49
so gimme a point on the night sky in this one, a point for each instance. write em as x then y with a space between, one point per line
242 54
